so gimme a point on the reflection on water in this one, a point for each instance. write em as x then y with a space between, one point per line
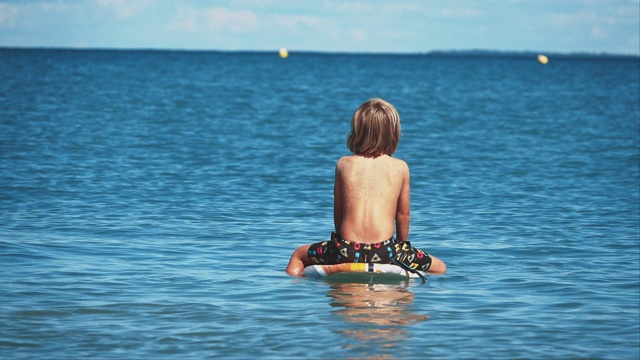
380 313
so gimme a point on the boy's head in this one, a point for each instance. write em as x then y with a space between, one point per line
375 129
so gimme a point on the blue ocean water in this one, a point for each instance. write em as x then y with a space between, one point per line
150 200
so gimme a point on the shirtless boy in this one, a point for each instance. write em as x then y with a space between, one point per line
371 200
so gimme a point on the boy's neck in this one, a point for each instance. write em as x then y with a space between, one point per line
370 156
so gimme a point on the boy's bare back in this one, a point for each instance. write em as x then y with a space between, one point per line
371 194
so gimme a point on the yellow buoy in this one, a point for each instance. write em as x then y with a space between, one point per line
283 53
543 59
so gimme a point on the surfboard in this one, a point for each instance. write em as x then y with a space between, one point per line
359 271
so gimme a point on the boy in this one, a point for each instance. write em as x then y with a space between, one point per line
371 195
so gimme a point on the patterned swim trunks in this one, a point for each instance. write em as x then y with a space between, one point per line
338 250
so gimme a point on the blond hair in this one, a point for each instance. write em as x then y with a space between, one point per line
375 129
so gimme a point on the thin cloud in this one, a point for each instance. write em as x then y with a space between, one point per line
461 13
232 20
358 35
125 8
325 25
8 15
215 19
295 21
186 20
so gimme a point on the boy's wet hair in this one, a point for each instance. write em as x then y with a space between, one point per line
375 129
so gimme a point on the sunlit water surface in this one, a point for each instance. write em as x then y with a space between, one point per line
151 200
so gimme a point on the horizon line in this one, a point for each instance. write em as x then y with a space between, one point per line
475 51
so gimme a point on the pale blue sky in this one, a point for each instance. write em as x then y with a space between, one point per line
401 26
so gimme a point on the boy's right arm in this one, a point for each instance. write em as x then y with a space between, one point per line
403 208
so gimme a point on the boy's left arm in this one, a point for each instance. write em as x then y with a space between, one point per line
337 202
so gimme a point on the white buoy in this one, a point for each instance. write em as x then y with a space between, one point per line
283 53
543 59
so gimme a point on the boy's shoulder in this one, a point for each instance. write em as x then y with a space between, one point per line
346 158
400 164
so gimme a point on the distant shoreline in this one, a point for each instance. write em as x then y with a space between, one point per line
433 53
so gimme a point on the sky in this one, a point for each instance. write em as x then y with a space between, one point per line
370 26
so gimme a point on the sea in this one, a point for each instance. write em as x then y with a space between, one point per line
150 201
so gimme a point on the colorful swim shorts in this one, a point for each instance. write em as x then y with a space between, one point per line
338 250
